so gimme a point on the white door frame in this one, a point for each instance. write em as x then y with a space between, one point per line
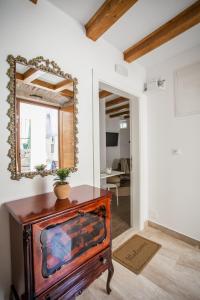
138 199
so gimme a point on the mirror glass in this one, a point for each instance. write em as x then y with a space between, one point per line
45 120
38 137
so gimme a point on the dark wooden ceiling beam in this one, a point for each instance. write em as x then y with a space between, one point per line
119 114
118 108
51 87
19 76
182 22
116 101
45 85
34 1
104 93
65 84
109 13
67 93
31 74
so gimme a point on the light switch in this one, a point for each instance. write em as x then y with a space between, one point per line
176 151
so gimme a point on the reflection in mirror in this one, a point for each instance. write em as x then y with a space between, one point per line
38 137
44 105
43 99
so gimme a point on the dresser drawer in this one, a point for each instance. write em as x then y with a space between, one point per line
63 243
77 281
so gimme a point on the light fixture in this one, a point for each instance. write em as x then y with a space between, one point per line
155 84
123 124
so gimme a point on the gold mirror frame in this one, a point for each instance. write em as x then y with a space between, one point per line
50 67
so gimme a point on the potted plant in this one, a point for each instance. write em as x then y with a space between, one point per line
61 186
40 168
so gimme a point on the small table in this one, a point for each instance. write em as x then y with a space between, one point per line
109 186
113 173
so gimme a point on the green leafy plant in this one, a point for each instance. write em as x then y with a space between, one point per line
62 175
40 168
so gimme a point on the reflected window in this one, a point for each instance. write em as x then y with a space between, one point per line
123 124
38 136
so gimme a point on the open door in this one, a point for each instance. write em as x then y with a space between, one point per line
67 157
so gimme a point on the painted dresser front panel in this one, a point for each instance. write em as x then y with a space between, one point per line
63 243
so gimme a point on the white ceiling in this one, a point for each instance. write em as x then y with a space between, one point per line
144 17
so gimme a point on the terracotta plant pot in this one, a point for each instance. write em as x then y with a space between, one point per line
62 191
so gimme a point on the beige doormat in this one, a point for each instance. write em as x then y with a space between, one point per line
135 253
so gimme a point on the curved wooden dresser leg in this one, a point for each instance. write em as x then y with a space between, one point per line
110 275
13 294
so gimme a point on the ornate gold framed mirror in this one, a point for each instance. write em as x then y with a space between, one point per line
43 118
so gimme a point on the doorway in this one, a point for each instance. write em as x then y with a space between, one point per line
137 104
115 156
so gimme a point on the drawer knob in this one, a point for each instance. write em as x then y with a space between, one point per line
103 260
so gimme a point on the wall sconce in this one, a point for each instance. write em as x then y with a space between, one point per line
154 84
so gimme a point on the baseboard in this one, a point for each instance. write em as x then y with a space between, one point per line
174 234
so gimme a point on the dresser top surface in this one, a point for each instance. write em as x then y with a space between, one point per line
32 209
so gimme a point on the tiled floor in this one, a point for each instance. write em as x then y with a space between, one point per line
172 274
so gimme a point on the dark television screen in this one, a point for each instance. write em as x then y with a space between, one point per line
111 139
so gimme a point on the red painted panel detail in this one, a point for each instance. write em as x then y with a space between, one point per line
52 267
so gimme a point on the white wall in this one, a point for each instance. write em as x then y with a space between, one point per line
102 130
174 189
112 125
122 150
107 124
125 141
33 30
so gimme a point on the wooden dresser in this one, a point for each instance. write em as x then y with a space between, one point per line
59 247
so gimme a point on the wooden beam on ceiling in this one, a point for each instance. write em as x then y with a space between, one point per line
67 93
104 93
51 87
31 74
19 76
116 101
182 22
118 108
64 84
119 114
46 85
109 13
126 117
